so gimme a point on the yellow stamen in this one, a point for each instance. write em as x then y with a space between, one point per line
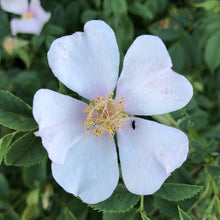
104 115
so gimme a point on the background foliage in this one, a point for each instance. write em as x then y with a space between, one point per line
191 32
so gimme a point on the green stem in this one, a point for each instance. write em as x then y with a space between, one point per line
142 204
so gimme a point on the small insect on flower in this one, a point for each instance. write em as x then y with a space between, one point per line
79 136
133 124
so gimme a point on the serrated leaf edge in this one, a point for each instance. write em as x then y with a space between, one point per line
23 130
40 159
111 211
201 187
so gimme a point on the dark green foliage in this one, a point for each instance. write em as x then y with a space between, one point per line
120 201
14 113
190 30
177 192
26 151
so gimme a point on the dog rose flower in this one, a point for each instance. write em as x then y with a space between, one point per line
33 16
79 137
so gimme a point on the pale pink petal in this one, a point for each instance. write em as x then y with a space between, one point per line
149 152
60 119
39 12
90 170
28 26
147 81
15 6
87 62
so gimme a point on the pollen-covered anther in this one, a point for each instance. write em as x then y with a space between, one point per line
104 115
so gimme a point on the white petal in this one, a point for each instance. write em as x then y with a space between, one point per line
28 26
38 11
149 153
15 6
147 81
87 62
60 119
90 170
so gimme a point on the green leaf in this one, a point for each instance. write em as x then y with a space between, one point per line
11 215
24 55
34 175
183 215
196 145
15 113
66 214
54 29
27 79
212 52
213 170
5 26
4 206
37 41
119 6
120 201
193 58
89 15
212 145
79 208
211 27
4 144
3 188
49 41
217 205
161 5
148 9
124 31
164 205
26 151
167 29
178 56
211 5
141 10
177 192
131 215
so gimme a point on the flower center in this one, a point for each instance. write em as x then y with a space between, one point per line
104 115
27 15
